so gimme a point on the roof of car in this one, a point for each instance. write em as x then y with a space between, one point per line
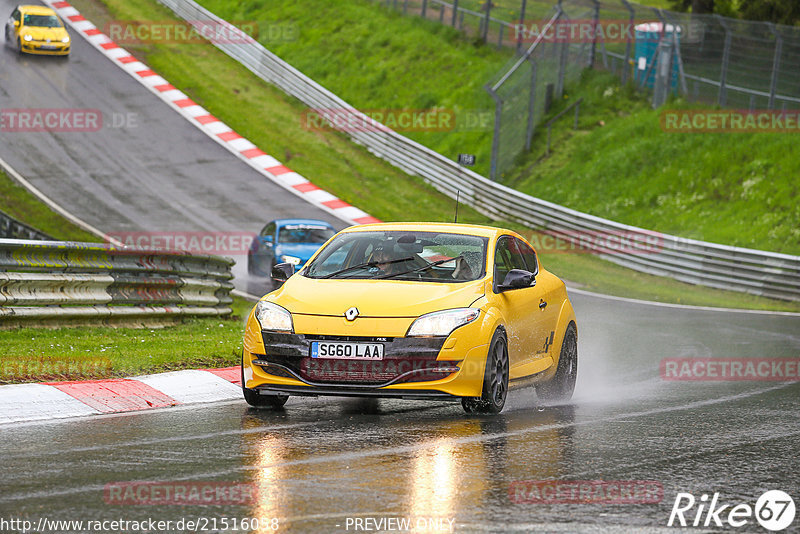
36 10
447 228
284 222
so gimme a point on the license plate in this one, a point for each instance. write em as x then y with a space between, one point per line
47 47
346 351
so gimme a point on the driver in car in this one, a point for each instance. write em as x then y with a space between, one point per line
382 256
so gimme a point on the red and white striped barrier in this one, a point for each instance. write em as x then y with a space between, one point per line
59 400
265 164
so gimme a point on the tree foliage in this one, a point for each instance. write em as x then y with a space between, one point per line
778 11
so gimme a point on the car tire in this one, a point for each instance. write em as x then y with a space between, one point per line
253 398
562 385
250 267
495 379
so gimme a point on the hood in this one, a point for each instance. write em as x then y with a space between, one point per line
374 298
43 34
301 250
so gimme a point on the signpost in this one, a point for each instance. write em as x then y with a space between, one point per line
466 159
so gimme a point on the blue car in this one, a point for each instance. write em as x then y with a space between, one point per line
286 241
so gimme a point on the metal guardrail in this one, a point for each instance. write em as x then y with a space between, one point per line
65 280
13 229
752 271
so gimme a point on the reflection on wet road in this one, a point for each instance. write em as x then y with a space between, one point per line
322 463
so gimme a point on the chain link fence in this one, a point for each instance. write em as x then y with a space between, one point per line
523 92
717 60
704 58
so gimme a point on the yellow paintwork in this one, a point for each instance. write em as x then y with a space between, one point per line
40 36
388 307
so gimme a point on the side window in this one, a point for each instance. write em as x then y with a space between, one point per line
268 231
507 256
529 255
15 15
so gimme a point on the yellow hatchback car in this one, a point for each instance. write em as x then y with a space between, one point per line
37 30
414 310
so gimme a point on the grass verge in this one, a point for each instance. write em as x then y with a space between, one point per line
35 354
734 188
21 204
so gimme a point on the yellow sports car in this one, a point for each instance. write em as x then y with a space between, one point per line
413 310
37 30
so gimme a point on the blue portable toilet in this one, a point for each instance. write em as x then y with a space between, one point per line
648 35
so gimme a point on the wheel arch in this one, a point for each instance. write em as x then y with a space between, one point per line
566 316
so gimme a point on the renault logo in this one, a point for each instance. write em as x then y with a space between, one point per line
351 314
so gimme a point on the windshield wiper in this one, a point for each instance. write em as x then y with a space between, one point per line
419 269
361 265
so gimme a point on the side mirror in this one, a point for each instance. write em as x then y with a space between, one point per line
282 272
517 279
16 23
266 240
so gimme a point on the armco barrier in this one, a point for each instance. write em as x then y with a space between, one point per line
11 228
697 262
52 280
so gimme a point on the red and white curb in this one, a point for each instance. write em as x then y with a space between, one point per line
59 400
262 162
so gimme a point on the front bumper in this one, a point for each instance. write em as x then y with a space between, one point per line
411 368
35 47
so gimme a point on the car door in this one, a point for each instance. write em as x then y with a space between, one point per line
13 24
519 306
548 305
265 249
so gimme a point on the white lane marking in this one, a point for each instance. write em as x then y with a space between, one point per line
25 402
245 295
192 386
678 306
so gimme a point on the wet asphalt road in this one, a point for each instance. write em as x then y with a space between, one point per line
322 461
147 169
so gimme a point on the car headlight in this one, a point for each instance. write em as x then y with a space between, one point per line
65 40
294 260
441 323
273 317
28 37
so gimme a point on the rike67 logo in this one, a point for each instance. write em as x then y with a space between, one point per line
774 510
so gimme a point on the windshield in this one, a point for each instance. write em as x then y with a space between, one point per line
304 233
402 255
42 21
